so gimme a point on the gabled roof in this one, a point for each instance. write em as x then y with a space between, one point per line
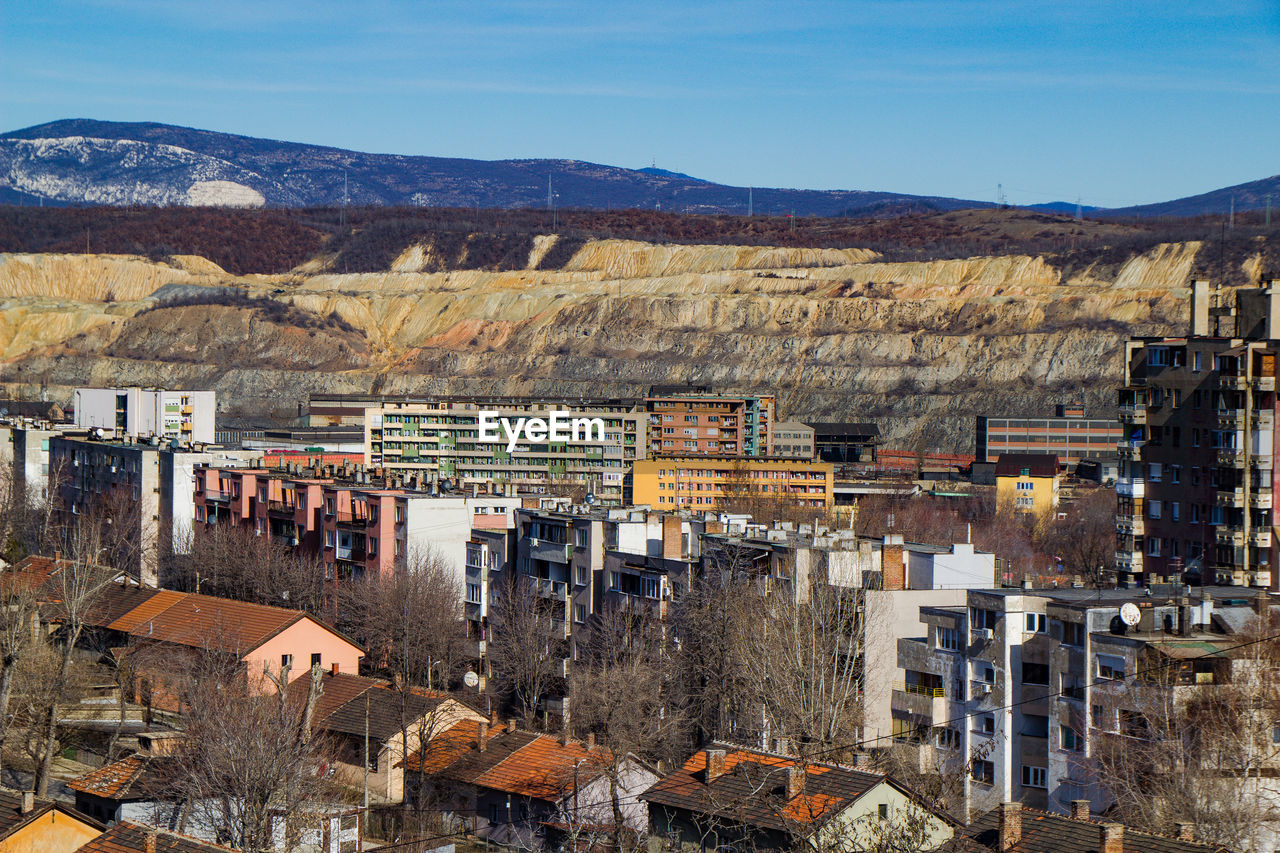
216 624
344 699
126 837
1043 832
31 574
147 605
752 790
135 777
520 763
1037 464
13 819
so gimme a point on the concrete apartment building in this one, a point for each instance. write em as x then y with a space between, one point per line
143 412
1198 470
1069 435
1022 683
155 483
690 423
358 529
24 454
793 439
707 482
440 441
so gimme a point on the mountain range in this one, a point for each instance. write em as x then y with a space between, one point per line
89 162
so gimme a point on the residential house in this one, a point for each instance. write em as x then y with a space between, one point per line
519 788
1027 482
353 710
130 837
31 825
137 788
727 797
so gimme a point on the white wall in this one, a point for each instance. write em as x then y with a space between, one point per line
963 568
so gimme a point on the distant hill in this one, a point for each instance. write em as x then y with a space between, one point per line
1250 196
87 162
1061 207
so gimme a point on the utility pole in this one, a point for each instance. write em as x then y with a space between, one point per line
751 202
366 754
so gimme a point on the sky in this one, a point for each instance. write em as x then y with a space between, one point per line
1114 103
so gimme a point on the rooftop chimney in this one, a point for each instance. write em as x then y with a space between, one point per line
1186 831
494 719
591 740
511 725
1079 809
1010 825
149 842
28 801
1200 308
1112 838
715 764
564 735
484 735
795 781
333 667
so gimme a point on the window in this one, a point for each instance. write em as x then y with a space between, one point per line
1175 471
948 738
1036 623
493 812
286 661
987 724
883 811
1153 546
1071 740
1073 633
650 587
581 534
1035 673
399 514
1110 668
1035 725
1153 472
473 594
983 772
328 506
1175 511
1102 718
315 659
1197 361
579 613
1153 509
582 575
1034 777
949 639
983 618
373 547
1158 356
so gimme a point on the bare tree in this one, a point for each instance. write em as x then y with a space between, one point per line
1192 741
18 628
234 562
1084 541
527 646
247 753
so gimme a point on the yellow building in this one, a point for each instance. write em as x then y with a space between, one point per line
30 825
1027 482
703 482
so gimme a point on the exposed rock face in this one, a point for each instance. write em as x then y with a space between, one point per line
920 347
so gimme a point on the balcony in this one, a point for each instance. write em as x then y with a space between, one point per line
928 703
1232 383
1135 413
1127 487
1231 497
1131 449
1260 538
217 496
1230 458
1129 562
283 507
1265 383
1229 536
1130 525
547 588
1231 419
1260 499
553 552
1260 579
1227 576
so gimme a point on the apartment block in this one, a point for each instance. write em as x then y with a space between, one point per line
24 452
358 529
1069 435
708 482
1198 475
706 424
143 412
1027 482
846 442
1020 684
793 439
441 443
156 485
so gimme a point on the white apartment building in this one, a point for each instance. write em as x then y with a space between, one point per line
143 412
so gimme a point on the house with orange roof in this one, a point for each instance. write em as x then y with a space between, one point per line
730 797
353 710
28 823
524 789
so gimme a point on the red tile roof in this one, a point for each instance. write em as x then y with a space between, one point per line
156 603
218 624
520 763
135 777
1043 832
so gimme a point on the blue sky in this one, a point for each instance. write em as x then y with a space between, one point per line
1117 103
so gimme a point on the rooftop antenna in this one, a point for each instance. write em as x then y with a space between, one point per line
550 203
751 203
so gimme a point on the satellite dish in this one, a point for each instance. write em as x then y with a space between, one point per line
470 679
591 499
1130 614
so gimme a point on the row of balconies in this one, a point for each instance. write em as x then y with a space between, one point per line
1235 537
1229 576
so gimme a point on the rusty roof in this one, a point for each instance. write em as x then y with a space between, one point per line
447 747
752 790
520 763
30 574
1043 832
127 837
135 777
